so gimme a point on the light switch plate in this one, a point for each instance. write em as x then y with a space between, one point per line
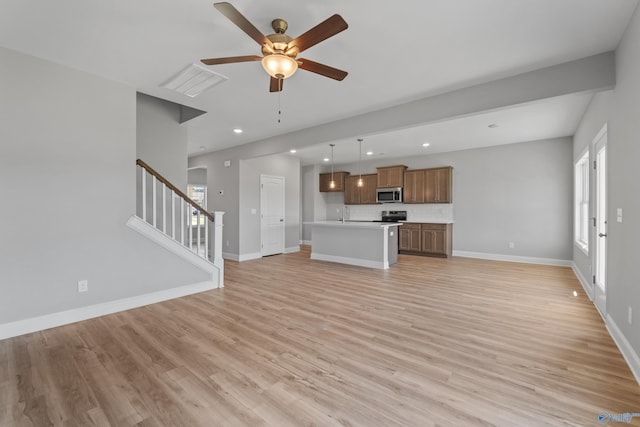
619 215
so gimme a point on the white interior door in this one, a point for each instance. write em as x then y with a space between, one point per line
271 214
600 255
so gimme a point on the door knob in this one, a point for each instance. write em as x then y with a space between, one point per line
602 235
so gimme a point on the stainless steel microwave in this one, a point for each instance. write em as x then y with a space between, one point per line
389 195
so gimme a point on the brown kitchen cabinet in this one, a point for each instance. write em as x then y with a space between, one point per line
338 177
426 239
428 185
414 186
438 185
409 235
365 195
391 176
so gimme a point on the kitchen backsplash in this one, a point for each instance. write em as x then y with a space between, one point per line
416 213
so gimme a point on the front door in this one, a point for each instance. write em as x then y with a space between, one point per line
600 256
271 215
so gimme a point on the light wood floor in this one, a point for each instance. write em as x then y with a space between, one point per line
294 342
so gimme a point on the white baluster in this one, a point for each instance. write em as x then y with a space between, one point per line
198 234
206 237
144 193
190 227
154 202
182 229
164 208
173 215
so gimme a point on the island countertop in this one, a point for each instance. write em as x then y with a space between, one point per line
355 224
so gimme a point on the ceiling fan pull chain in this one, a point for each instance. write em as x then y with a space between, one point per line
279 108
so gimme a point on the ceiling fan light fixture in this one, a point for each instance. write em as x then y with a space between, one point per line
279 65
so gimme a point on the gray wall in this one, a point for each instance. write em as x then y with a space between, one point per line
64 220
623 275
519 193
240 184
313 202
250 171
225 180
594 119
161 139
197 176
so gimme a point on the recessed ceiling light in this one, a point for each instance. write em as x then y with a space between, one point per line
426 144
292 151
369 153
493 125
237 130
326 159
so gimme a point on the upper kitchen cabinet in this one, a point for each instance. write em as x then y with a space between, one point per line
414 182
428 185
338 177
391 176
438 185
365 195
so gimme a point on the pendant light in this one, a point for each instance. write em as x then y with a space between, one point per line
332 183
360 181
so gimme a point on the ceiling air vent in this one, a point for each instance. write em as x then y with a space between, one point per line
194 80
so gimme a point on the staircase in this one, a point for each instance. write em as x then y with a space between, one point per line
168 217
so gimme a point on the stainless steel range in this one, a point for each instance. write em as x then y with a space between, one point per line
393 216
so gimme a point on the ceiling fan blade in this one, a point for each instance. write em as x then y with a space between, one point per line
275 85
323 70
231 59
327 28
243 23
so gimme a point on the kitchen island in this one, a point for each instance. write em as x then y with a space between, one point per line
362 243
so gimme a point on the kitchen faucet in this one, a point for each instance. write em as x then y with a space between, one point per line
345 213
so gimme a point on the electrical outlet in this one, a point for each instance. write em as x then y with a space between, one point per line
83 285
630 315
512 245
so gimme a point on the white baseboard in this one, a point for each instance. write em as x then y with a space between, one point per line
249 257
255 255
513 258
350 261
229 255
586 285
242 257
305 242
632 358
34 324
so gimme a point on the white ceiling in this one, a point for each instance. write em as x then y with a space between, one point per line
394 52
549 118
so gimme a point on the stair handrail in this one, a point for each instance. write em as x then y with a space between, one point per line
175 189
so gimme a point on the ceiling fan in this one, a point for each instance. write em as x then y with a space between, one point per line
279 51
